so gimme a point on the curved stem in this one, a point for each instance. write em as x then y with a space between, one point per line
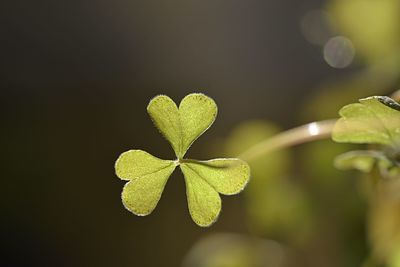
302 134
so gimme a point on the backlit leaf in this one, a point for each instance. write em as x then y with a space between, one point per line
203 200
375 120
147 177
165 115
197 113
137 163
226 176
142 194
182 126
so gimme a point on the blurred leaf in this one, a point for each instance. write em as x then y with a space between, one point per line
182 126
362 160
389 168
375 120
365 161
233 250
384 222
338 209
372 25
276 206
395 259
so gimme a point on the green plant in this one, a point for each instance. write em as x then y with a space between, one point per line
205 180
374 121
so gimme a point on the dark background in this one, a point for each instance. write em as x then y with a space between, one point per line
76 77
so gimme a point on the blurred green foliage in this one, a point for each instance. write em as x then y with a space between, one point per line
375 120
372 25
276 206
384 222
235 250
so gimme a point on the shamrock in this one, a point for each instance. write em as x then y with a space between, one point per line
374 120
147 175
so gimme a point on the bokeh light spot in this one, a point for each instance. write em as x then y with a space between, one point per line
339 52
316 27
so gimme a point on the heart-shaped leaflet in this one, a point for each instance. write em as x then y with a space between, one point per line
181 127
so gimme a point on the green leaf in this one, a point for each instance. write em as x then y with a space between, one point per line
366 160
197 112
165 116
388 168
148 176
133 164
362 160
205 179
181 127
226 176
375 120
141 195
203 200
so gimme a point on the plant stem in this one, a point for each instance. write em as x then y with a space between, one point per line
302 134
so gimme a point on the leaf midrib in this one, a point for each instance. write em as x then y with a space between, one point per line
154 172
198 174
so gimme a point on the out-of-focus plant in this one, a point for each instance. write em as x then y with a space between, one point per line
384 222
373 26
290 219
235 250
376 121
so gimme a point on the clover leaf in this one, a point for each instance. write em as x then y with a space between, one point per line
374 120
205 180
